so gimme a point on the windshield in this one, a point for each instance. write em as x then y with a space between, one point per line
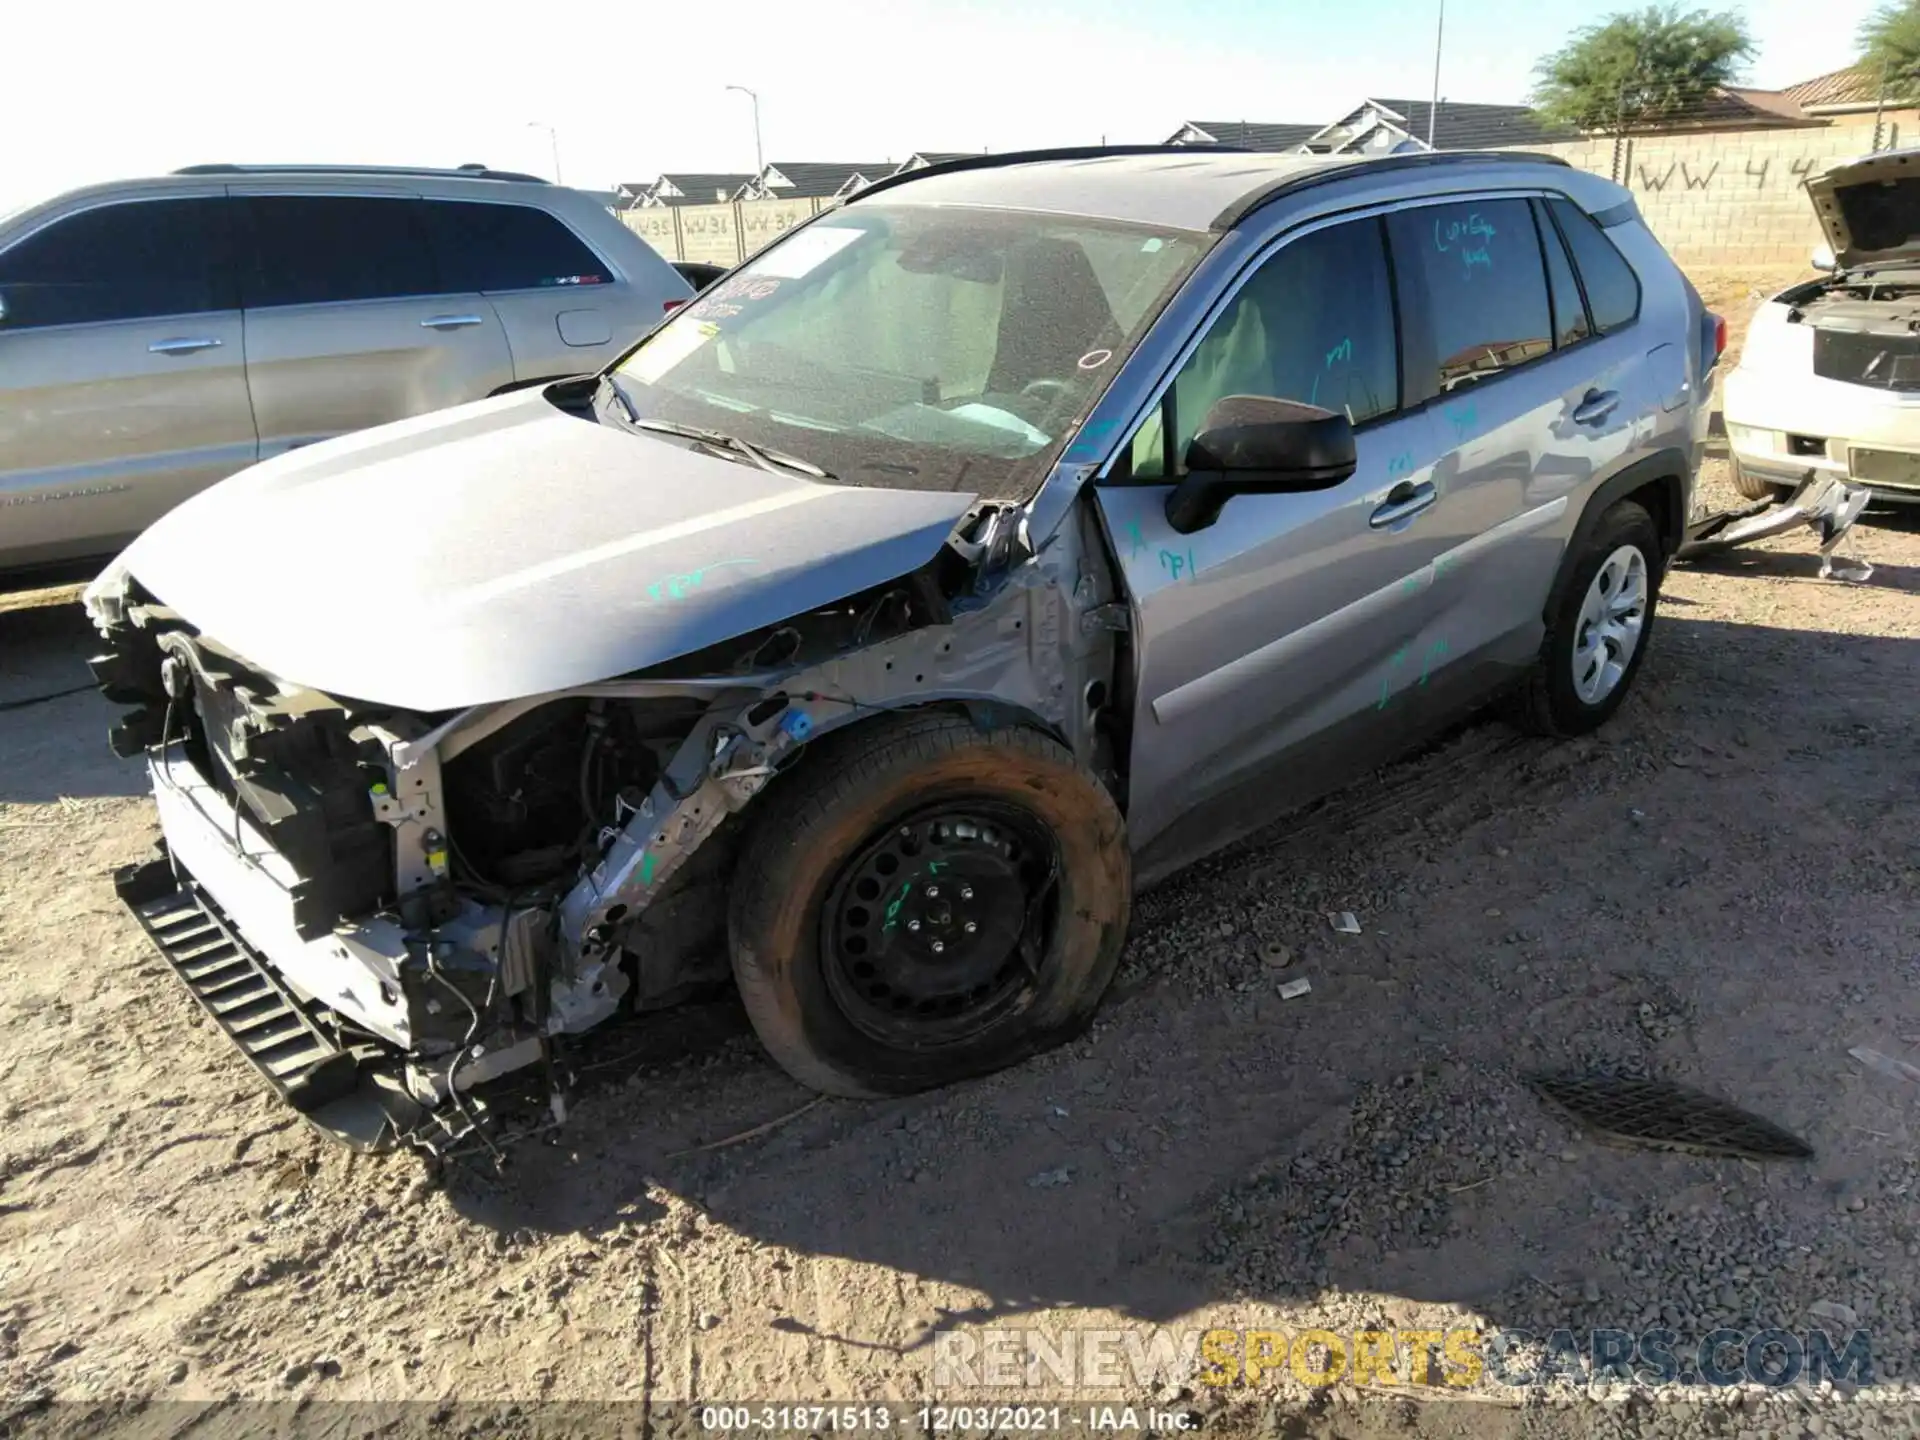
917 347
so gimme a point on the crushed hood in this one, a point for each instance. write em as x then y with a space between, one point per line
505 549
1869 209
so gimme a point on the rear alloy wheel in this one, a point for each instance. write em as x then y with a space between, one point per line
921 901
1598 633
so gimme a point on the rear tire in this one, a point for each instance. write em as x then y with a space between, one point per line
1599 633
841 994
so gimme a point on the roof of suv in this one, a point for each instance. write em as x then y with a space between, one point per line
1186 187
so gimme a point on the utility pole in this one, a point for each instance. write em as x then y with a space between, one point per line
1433 110
553 142
759 158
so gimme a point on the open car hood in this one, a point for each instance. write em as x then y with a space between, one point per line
505 549
1869 209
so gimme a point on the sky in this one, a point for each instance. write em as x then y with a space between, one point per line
113 88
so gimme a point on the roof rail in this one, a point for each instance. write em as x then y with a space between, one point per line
1024 157
461 172
1419 160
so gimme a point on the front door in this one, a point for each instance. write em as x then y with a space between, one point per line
349 321
1274 648
123 383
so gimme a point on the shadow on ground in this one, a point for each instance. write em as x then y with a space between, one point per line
43 653
1625 901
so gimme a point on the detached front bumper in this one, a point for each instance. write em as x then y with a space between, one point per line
333 1024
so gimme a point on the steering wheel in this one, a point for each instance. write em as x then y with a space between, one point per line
1048 390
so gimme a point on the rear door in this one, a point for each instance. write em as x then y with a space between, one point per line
349 321
1272 646
564 309
122 373
1529 410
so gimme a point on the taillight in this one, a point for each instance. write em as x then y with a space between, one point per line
672 305
1719 336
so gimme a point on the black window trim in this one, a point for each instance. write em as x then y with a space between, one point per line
1573 262
226 259
1547 231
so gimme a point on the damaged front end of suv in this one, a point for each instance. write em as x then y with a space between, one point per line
459 728
385 906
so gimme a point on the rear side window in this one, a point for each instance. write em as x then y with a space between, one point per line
1477 265
319 249
129 261
485 246
1570 325
1314 323
1613 290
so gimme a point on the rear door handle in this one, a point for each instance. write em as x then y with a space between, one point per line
182 345
1403 502
1595 407
450 322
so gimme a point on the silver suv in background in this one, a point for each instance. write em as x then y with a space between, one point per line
158 335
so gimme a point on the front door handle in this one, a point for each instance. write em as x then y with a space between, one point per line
1403 502
1595 407
182 345
450 322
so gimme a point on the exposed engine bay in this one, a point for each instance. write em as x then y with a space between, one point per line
1866 326
439 898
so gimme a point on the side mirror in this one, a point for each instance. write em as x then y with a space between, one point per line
1823 258
1254 445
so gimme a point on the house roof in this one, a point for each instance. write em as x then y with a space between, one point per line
1464 125
818 178
1857 87
698 187
1243 134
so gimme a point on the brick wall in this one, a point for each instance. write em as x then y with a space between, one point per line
717 234
1735 199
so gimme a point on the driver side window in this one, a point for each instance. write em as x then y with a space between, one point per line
1314 323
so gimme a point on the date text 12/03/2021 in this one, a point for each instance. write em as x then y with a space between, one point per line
931 1419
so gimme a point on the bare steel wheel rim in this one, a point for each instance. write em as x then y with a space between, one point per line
939 926
1612 617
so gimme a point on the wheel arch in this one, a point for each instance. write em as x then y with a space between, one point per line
1657 483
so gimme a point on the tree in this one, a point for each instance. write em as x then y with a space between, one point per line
1641 66
1890 38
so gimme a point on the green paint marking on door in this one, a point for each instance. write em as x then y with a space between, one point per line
647 865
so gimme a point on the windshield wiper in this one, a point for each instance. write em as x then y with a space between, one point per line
773 461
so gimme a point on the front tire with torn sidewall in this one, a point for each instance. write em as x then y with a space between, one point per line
921 902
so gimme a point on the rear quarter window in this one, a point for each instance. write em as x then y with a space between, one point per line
487 245
1613 290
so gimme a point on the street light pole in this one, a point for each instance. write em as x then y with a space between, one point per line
759 158
553 142
1433 110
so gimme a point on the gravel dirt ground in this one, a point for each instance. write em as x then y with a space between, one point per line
1722 888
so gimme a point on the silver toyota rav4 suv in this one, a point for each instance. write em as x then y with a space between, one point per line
158 335
996 542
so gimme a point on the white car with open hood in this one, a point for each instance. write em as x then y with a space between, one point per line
1829 384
